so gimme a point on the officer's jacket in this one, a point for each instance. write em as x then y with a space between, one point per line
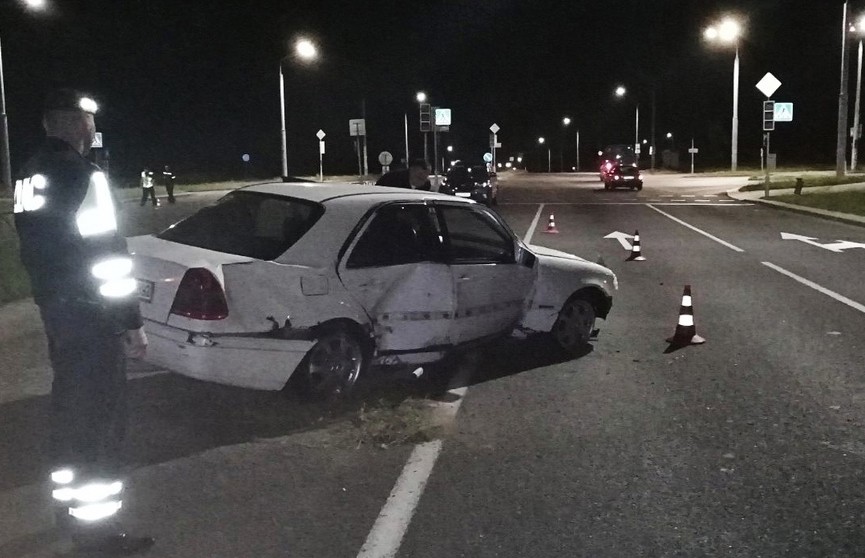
69 243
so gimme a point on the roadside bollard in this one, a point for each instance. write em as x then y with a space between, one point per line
799 184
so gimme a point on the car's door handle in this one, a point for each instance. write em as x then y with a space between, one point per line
465 278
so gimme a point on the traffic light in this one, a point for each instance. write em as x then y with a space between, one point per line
768 116
425 112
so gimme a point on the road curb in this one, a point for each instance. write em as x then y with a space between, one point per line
757 197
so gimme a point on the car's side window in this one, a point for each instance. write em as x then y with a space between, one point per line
473 236
397 234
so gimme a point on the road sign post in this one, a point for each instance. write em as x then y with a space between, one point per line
693 151
495 130
320 135
767 85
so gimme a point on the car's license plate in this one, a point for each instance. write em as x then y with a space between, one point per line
145 290
464 194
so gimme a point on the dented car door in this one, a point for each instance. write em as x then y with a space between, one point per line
394 269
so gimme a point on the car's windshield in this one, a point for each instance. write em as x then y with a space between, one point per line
249 224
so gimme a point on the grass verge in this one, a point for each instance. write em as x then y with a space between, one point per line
844 202
807 182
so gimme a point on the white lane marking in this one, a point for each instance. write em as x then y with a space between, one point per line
386 535
840 298
688 196
679 200
695 229
534 225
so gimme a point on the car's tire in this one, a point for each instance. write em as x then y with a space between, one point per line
332 366
573 328
640 186
608 186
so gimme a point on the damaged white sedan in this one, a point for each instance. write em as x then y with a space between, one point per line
313 283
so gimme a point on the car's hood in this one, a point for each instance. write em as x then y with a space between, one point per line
560 259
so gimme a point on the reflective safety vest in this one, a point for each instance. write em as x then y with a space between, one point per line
146 179
95 218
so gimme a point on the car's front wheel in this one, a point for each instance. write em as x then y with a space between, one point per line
574 326
332 367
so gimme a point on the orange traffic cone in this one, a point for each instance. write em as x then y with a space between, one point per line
636 254
551 226
686 332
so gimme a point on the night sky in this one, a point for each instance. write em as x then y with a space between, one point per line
195 84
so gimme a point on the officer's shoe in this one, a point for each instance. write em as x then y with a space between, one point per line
119 544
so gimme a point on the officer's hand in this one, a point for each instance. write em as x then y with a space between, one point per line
136 343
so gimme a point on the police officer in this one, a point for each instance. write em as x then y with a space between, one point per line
147 188
79 271
168 179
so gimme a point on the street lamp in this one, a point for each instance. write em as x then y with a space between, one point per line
620 92
6 176
858 29
304 51
728 31
541 141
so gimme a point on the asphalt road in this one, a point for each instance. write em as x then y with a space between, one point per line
749 445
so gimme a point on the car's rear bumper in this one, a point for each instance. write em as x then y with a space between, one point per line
249 362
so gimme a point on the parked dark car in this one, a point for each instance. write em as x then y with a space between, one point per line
623 176
471 181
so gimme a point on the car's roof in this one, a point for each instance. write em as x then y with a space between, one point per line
323 192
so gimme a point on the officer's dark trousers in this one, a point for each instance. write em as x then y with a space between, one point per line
145 192
169 189
88 394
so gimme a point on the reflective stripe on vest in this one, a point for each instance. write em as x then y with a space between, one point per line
96 214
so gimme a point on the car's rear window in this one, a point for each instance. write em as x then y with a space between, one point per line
251 224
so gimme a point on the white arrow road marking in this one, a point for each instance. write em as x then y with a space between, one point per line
837 247
622 238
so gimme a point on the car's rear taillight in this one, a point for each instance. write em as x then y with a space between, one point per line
200 296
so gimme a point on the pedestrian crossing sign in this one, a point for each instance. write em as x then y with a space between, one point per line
783 112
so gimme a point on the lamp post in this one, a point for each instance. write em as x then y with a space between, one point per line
6 171
421 99
858 29
620 92
566 121
541 141
306 51
728 31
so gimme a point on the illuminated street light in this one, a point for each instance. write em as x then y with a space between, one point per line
620 91
728 31
669 135
566 121
35 4
421 97
450 148
305 51
541 140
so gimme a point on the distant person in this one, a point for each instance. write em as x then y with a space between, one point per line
147 188
168 179
415 177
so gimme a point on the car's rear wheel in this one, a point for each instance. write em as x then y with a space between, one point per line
332 367
640 186
574 326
